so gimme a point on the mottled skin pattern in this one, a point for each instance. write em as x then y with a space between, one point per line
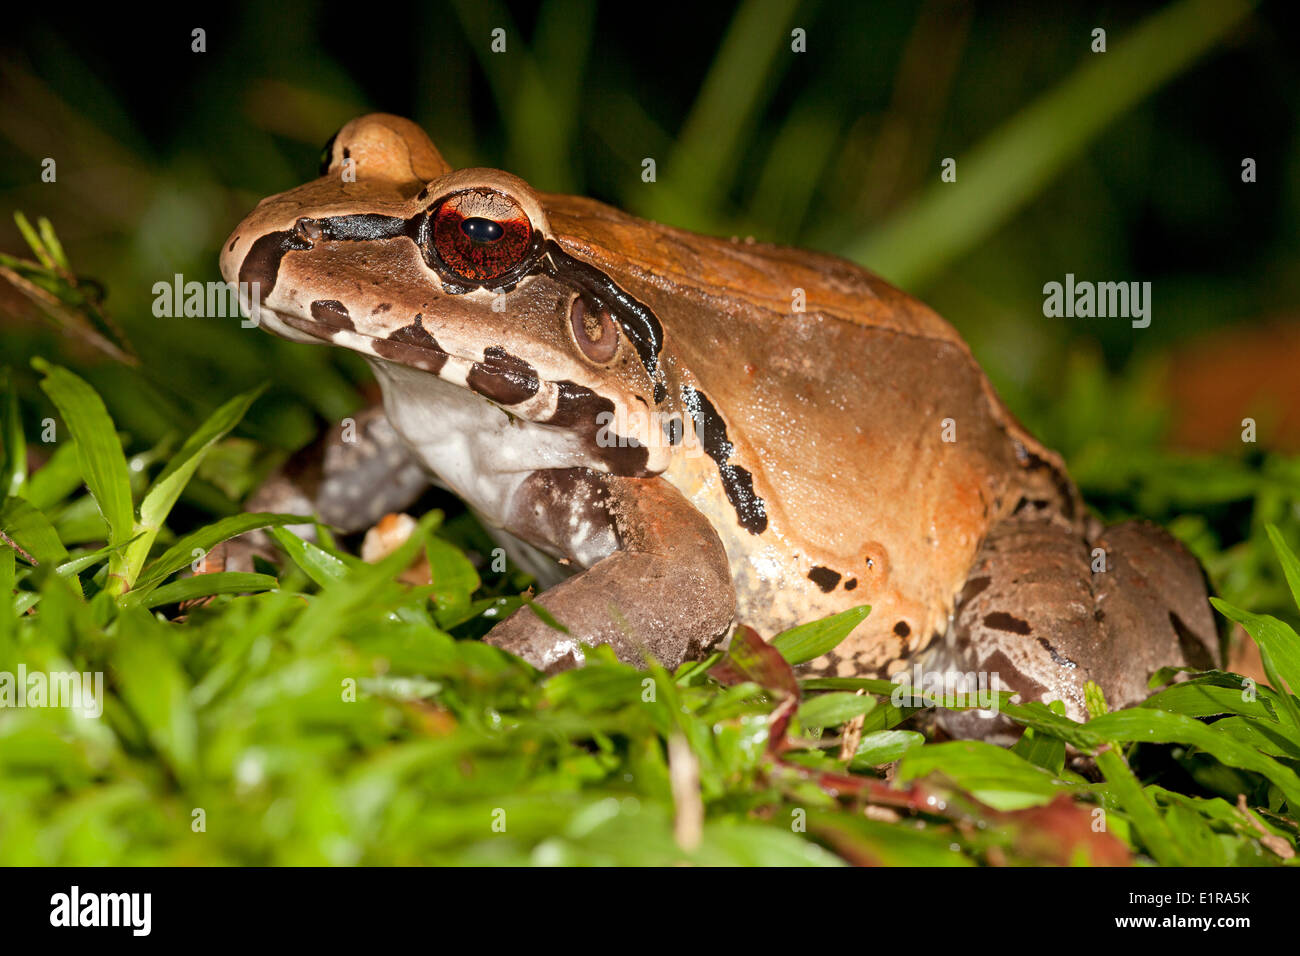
798 461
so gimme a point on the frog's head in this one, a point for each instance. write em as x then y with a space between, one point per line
455 274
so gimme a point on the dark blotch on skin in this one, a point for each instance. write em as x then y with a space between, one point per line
902 629
1028 688
412 345
737 483
503 378
579 409
332 313
824 578
1058 658
232 244
850 584
974 587
549 499
262 264
1002 621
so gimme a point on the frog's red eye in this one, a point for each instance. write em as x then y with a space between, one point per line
480 235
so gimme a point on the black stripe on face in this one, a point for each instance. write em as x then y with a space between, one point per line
737 483
581 411
262 264
634 317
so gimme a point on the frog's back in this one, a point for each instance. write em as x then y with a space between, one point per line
879 450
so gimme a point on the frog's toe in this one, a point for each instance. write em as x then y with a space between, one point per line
1044 612
546 648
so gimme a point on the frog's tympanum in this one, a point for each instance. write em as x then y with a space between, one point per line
680 433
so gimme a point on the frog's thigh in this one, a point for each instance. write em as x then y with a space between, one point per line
665 591
1034 613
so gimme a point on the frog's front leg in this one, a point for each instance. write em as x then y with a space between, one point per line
657 582
1047 610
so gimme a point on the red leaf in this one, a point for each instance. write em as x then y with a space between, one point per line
750 659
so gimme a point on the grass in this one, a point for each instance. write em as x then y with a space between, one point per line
320 712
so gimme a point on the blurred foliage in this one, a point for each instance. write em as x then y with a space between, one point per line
1123 166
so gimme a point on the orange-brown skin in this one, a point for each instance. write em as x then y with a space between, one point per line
878 458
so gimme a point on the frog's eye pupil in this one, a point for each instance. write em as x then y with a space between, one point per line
488 238
481 230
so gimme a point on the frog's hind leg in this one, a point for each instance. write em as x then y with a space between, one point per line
1045 610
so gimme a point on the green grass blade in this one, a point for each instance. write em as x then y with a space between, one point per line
756 47
808 641
55 480
1150 825
76 565
201 585
1279 648
52 244
1290 564
1015 161
13 444
319 565
157 691
205 539
1147 725
99 456
29 529
166 489
833 709
34 242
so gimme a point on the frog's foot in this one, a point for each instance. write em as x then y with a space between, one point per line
1037 618
664 591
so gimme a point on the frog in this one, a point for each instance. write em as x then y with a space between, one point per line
679 434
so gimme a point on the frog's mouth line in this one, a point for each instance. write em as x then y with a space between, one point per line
503 379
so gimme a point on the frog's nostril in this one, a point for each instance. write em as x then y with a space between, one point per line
308 229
